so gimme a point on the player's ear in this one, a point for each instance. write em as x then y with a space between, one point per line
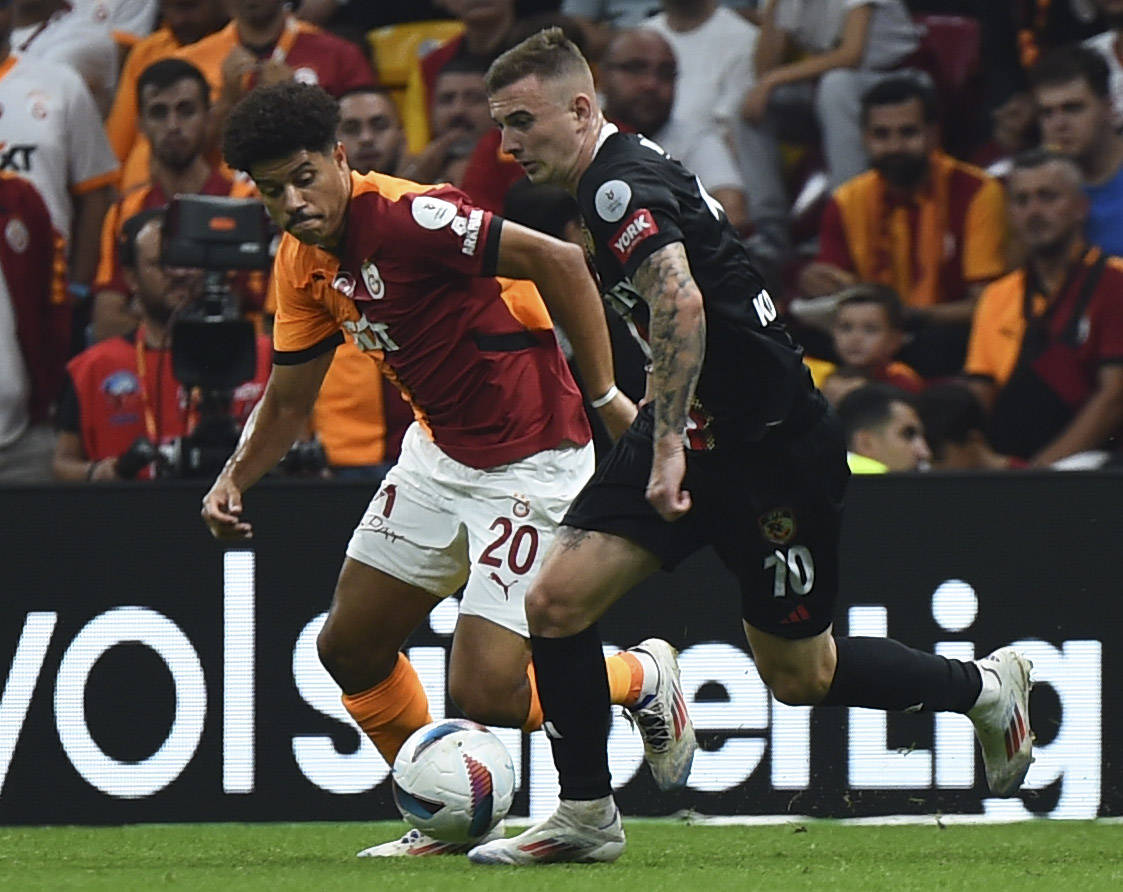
583 108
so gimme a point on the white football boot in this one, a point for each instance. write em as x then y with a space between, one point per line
663 720
1001 719
576 832
416 844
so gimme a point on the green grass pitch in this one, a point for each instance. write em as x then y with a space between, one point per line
818 855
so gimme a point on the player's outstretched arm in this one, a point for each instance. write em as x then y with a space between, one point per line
279 418
558 269
678 346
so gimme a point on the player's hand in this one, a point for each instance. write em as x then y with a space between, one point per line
618 415
222 511
104 469
664 486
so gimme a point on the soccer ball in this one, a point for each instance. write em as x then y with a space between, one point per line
453 780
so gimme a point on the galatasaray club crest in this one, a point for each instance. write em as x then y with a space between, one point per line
777 525
373 280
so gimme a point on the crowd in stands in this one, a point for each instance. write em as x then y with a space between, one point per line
933 190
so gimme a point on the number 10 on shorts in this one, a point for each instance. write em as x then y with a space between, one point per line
794 571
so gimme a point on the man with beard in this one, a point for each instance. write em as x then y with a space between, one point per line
1046 353
184 22
123 388
370 130
921 222
173 99
638 75
1071 86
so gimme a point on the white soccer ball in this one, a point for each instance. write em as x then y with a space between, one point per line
453 780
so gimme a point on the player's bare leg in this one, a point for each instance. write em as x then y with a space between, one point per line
487 675
584 573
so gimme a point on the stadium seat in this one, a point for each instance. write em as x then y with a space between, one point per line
951 52
395 50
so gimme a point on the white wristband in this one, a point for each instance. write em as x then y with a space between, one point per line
607 397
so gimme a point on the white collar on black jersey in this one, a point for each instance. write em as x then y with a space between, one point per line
607 129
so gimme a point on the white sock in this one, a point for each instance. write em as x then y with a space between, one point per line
650 676
988 693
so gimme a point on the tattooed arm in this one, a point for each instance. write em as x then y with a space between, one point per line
678 345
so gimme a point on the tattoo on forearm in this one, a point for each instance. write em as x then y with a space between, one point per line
678 334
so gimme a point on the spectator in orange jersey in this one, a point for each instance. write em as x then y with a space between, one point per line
123 388
1046 352
185 22
174 100
34 330
265 44
930 227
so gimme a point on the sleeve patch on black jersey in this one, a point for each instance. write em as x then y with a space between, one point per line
611 200
636 228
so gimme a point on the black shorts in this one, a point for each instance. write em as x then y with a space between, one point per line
772 510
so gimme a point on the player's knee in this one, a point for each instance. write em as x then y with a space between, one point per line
796 686
354 665
551 614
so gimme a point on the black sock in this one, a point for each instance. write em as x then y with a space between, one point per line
884 674
573 688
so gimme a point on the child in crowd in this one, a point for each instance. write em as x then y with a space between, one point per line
868 329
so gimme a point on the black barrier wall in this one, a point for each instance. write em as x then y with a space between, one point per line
153 677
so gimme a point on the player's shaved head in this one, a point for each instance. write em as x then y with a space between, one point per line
548 55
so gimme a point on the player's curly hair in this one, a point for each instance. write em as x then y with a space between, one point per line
273 122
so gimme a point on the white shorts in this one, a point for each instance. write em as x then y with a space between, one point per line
436 524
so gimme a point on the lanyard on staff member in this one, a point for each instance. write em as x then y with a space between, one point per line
152 418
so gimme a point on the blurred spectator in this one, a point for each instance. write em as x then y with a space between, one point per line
487 27
714 49
371 131
348 17
882 430
844 48
954 426
56 31
1044 25
1046 352
136 17
1013 130
265 44
637 80
185 22
929 226
52 135
174 101
123 388
1109 45
600 19
1071 86
868 332
458 117
34 330
836 382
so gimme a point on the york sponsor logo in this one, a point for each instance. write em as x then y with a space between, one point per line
641 225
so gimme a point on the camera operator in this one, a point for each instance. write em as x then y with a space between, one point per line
121 400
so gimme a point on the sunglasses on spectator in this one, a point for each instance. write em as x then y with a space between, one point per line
664 71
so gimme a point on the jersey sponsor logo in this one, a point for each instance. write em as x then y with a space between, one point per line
612 200
472 232
641 225
306 76
370 336
373 280
777 525
344 283
432 213
119 386
16 235
16 157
